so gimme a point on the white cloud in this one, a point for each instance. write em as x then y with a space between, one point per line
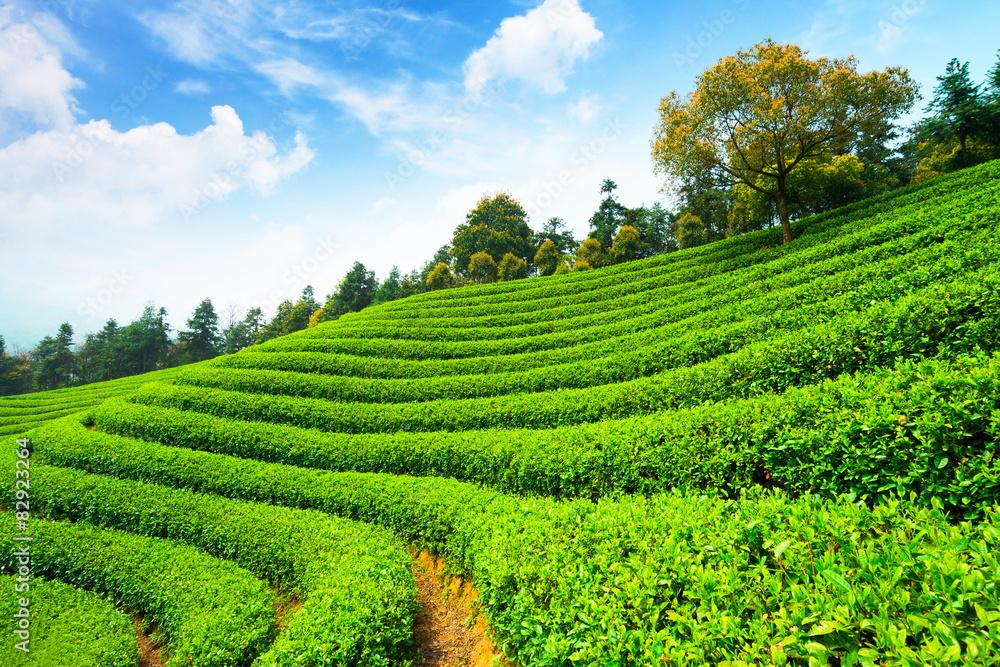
33 81
538 48
585 109
192 87
94 175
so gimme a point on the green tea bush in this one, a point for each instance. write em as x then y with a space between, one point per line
211 612
674 578
358 588
65 621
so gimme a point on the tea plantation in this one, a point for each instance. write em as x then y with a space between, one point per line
745 453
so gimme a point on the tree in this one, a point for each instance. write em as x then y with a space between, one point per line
709 195
758 114
390 289
201 340
147 342
242 334
957 110
690 231
288 318
482 269
54 361
548 258
993 106
419 278
555 230
609 216
103 355
355 291
14 372
626 245
308 297
591 253
512 267
497 225
825 183
440 277
657 229
275 326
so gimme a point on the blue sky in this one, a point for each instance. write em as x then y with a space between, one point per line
241 149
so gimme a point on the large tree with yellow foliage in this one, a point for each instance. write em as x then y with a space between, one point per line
757 116
497 225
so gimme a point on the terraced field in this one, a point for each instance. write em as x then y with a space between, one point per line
739 454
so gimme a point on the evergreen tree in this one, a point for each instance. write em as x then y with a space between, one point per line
54 360
957 111
390 289
103 356
555 230
355 291
146 342
201 340
609 216
14 372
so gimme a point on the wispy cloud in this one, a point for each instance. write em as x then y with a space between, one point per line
192 87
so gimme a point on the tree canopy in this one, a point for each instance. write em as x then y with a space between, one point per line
755 117
201 340
609 216
497 225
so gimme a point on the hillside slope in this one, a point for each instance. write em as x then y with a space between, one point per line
743 453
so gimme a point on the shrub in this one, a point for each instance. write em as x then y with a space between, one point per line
591 252
512 268
626 245
440 277
482 269
547 259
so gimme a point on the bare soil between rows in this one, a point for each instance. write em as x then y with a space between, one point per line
447 631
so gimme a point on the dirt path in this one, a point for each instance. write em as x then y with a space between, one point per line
441 632
150 650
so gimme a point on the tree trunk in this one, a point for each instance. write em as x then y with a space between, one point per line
786 226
